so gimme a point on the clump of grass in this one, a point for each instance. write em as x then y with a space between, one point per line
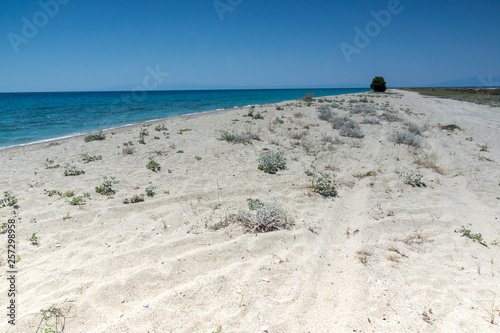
334 140
142 134
48 164
371 121
338 122
323 183
153 165
198 158
69 194
407 138
135 199
265 217
362 175
351 132
182 130
257 116
413 179
8 199
272 162
150 191
71 170
106 186
363 256
76 201
475 237
128 150
308 97
391 117
429 161
52 192
227 136
414 128
95 137
86 158
366 109
325 113
277 121
160 128
451 127
298 135
180 152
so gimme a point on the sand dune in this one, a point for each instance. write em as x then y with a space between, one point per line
382 256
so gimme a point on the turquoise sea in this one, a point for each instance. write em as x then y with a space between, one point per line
33 117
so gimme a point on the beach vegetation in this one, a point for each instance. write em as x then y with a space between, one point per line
86 194
334 140
158 152
52 192
86 158
257 116
106 186
451 127
264 217
34 239
362 175
391 117
406 137
134 199
414 128
352 132
76 201
413 179
308 97
338 122
483 148
180 152
277 121
99 136
150 191
69 194
272 162
378 84
130 143
160 128
254 204
298 135
142 134
279 108
153 165
477 237
71 170
429 161
8 199
182 130
364 109
49 164
371 121
323 183
198 158
128 150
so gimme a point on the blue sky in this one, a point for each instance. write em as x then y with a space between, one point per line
114 45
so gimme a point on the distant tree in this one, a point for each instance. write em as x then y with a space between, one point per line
378 84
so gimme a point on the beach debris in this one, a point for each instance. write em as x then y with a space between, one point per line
264 279
145 306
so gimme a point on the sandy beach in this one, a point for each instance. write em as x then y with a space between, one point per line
381 256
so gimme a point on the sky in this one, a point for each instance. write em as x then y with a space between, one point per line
90 45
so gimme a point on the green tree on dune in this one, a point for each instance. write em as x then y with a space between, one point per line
378 84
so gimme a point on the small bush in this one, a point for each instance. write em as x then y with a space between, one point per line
407 138
128 150
334 140
298 135
308 97
135 199
277 121
391 117
71 170
150 191
87 158
322 183
451 127
160 128
264 218
48 164
338 122
413 179
254 204
351 132
227 136
325 113
272 163
366 109
371 121
52 192
414 128
153 165
243 138
8 199
257 116
475 237
95 137
76 201
106 186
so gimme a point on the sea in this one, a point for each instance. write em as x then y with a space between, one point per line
27 118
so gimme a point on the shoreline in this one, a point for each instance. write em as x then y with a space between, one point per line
156 120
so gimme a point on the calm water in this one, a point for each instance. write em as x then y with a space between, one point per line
33 117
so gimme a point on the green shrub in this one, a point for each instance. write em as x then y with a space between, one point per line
153 165
150 191
413 179
106 186
378 84
52 192
272 163
8 199
475 237
308 97
407 138
95 137
323 183
71 170
86 158
76 201
160 128
265 217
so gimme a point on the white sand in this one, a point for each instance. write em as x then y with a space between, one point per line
101 263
